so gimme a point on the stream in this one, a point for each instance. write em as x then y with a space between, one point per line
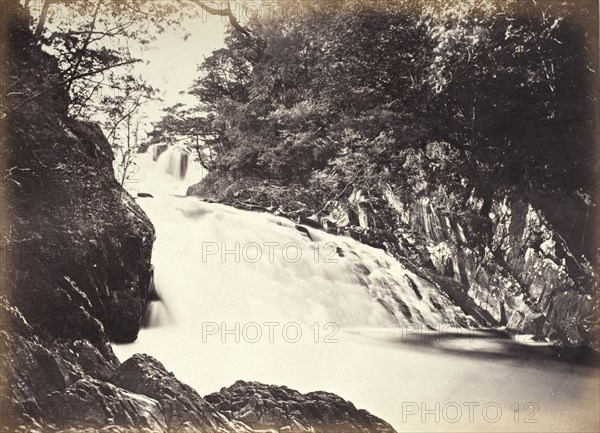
251 296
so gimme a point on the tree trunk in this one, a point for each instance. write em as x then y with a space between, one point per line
84 46
42 21
126 154
200 159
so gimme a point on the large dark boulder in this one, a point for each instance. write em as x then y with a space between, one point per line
181 405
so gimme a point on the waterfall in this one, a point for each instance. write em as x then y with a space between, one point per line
158 150
175 162
250 296
263 268
164 170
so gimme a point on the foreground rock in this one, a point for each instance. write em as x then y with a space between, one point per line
282 409
71 386
183 408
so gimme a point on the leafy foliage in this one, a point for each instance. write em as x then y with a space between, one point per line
343 89
95 44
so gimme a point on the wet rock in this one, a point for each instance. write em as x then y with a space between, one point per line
286 410
512 263
304 231
70 385
92 403
33 367
183 408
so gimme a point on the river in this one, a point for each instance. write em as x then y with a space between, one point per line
246 295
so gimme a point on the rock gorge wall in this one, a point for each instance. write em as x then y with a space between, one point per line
520 269
76 273
78 247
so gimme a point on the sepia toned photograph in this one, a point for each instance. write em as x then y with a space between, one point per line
299 216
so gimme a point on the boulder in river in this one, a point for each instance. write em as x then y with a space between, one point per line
285 410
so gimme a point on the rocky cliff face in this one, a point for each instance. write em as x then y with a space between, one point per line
522 255
76 273
78 247
520 269
508 256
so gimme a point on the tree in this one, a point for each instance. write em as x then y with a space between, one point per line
348 87
511 83
92 41
123 123
181 125
284 111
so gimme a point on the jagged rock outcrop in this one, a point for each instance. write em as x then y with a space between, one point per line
520 269
523 255
282 409
62 385
182 407
35 368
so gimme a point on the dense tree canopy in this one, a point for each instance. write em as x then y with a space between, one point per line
343 90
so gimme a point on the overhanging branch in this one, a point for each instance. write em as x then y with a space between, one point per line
226 12
84 74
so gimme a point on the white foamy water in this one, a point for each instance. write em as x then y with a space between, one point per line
162 173
248 296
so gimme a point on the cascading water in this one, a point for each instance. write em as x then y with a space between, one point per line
176 163
263 268
249 296
164 170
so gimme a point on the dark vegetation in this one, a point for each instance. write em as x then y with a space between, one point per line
343 93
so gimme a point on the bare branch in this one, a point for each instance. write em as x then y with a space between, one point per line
136 105
86 42
87 99
226 12
84 74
